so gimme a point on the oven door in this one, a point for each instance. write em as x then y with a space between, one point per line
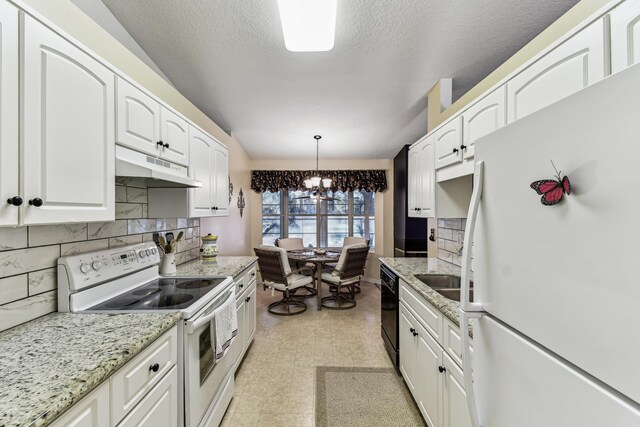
203 376
389 314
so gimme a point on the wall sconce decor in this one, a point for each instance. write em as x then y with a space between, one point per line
241 202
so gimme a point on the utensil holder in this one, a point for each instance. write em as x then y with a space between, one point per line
168 264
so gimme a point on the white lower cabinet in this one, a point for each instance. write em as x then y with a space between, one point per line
91 411
144 392
434 379
246 312
159 407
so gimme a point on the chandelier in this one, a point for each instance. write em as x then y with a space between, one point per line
316 185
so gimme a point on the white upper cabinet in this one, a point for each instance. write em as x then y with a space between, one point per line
147 126
220 184
421 177
427 179
9 190
68 169
414 183
448 140
482 118
174 134
138 119
625 35
575 64
201 170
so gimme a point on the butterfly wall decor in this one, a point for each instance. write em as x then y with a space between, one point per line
552 190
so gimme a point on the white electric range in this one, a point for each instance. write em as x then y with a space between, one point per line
126 280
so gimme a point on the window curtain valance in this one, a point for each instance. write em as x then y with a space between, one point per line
343 180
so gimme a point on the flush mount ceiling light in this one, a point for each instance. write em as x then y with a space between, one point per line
308 25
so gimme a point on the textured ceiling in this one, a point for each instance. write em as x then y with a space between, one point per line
366 96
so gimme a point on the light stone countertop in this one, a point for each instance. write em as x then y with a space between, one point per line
406 268
49 364
221 266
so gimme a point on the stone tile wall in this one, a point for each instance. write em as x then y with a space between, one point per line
451 239
28 255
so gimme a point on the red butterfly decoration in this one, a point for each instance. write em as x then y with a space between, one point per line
552 190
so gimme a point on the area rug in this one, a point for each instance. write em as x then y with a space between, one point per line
350 396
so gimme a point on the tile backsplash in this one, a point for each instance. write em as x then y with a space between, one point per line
451 239
28 255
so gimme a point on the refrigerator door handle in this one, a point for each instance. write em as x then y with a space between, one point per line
467 369
472 215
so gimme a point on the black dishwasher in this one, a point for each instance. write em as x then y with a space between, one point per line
389 313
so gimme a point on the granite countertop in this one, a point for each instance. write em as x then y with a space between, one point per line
52 362
406 268
221 266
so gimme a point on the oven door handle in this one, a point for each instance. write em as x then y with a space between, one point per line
193 325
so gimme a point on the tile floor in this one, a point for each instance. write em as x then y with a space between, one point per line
275 383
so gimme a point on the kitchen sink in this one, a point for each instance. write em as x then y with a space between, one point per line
444 284
439 281
453 294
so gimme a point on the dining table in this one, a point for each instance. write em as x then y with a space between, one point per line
318 256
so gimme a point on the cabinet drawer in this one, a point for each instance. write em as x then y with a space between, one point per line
451 341
241 285
427 314
91 411
159 407
133 381
250 275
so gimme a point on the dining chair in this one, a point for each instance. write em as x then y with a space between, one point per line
293 243
277 275
346 274
350 240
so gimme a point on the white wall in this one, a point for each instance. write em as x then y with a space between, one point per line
97 11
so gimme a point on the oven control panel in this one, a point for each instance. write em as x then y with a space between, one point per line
88 269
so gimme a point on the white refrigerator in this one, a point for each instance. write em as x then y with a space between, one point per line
556 311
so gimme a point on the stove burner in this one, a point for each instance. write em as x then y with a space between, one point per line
122 302
196 284
146 292
172 300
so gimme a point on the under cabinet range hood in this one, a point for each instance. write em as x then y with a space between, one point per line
159 173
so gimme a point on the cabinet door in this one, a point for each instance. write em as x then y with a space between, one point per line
482 118
625 35
91 411
250 316
68 131
406 323
237 347
159 407
448 140
138 119
414 181
200 169
570 67
174 133
454 405
220 180
427 179
8 113
428 377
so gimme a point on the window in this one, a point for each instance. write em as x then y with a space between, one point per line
322 224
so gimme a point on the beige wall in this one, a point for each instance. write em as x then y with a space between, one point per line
575 16
383 201
234 231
